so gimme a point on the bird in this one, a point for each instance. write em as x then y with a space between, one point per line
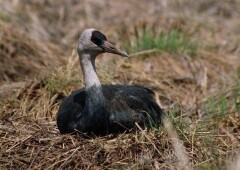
105 109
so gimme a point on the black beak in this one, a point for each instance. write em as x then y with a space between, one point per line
109 48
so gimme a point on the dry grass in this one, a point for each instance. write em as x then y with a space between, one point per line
17 49
200 93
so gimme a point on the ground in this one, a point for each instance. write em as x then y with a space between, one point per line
188 52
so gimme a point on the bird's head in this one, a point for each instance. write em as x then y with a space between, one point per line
94 43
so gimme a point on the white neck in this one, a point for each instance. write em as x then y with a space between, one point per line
87 63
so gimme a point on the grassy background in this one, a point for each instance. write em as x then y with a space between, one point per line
188 52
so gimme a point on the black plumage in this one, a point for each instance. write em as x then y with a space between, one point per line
98 38
125 106
104 109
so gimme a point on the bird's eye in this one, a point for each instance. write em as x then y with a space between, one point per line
98 38
97 41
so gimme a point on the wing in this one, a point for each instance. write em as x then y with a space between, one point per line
131 104
126 105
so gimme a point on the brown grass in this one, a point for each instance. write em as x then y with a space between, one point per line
200 94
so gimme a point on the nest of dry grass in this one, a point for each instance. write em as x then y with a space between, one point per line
200 94
30 138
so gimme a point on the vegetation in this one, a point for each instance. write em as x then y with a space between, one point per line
200 94
174 42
